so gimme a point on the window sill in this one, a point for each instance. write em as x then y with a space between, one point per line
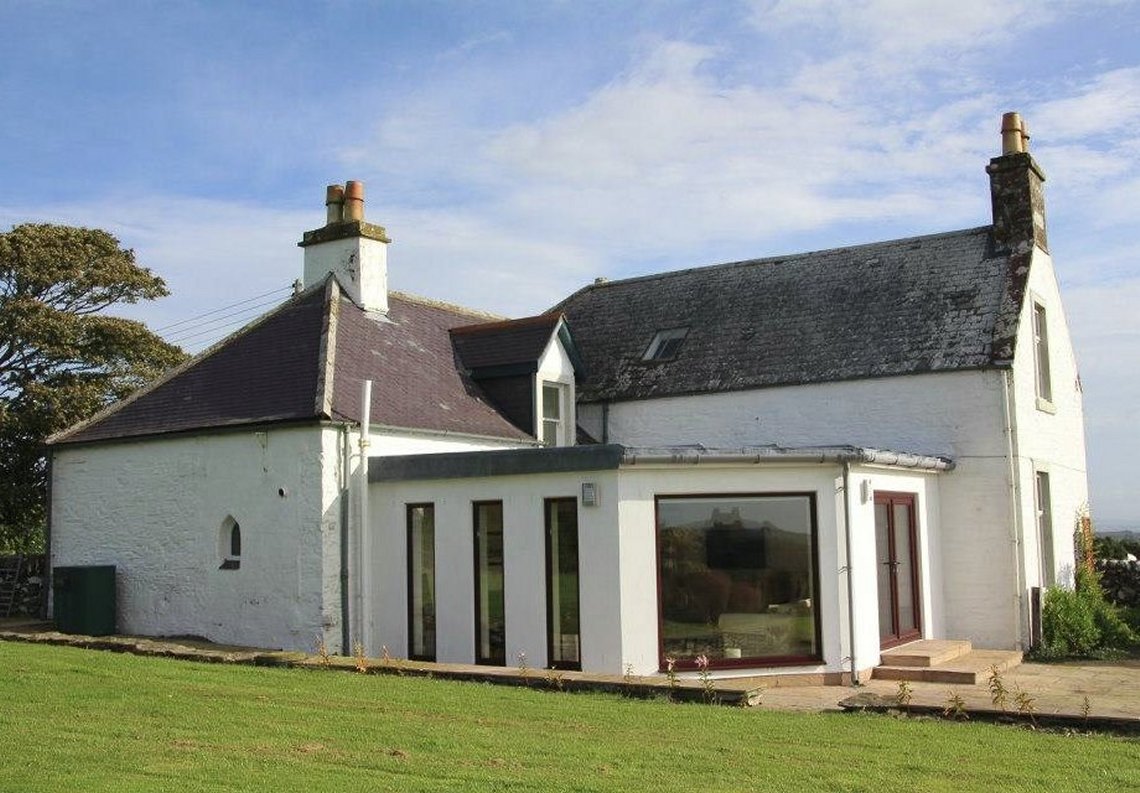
1045 406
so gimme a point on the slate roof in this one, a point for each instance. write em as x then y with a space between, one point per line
921 304
491 347
304 362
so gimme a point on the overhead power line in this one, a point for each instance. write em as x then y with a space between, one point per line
188 320
242 315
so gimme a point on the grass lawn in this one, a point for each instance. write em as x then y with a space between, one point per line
81 720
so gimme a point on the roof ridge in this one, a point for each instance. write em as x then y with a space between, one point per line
551 317
178 370
443 304
779 258
326 356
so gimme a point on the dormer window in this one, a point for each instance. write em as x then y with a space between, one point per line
554 414
665 345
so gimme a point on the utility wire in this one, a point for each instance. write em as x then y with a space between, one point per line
205 326
278 290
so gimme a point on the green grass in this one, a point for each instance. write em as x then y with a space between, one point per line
81 720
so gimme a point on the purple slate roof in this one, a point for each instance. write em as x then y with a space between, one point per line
417 381
279 369
491 345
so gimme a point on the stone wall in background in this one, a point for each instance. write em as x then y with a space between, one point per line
1120 581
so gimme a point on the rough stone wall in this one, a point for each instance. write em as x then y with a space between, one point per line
1120 581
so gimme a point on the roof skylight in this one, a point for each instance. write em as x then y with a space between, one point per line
665 345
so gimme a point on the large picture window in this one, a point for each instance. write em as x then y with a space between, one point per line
421 582
738 579
490 599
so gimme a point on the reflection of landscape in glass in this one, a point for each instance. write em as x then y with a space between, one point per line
491 638
562 581
737 577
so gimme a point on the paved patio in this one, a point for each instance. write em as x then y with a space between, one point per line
1077 695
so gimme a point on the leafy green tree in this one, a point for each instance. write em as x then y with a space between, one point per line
61 358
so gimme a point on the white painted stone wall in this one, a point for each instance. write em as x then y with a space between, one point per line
958 414
154 510
1050 437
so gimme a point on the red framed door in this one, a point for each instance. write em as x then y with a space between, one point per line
896 549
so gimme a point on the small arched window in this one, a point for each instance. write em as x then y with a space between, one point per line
229 544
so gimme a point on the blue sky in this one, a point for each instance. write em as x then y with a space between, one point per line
515 151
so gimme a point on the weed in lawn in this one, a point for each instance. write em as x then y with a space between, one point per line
671 675
1026 705
322 650
999 694
1086 707
955 707
388 661
524 670
627 678
555 679
358 655
707 686
904 694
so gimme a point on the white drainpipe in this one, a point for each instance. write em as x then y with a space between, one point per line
1015 503
364 579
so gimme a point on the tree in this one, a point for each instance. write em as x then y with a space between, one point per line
61 358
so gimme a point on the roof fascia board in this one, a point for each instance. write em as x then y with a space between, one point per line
505 462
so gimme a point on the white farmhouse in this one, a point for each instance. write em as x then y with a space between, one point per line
783 465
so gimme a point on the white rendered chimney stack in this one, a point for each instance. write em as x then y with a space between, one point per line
350 248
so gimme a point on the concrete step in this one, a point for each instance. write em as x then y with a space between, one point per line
926 652
970 669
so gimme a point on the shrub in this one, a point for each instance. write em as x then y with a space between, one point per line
1081 622
1068 626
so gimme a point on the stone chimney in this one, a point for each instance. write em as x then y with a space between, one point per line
1017 190
349 247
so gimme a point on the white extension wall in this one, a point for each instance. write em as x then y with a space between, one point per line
618 557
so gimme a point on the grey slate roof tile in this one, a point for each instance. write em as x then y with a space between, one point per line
891 308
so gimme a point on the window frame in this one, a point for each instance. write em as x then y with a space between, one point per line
547 505
1042 364
488 660
229 543
561 423
1043 514
751 661
661 340
413 576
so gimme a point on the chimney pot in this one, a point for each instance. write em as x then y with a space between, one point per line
354 200
1013 136
334 203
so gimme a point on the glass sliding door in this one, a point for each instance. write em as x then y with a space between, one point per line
421 582
490 601
737 579
562 616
